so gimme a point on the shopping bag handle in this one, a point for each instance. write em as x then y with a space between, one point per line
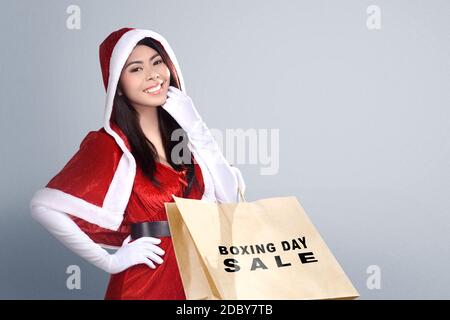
241 194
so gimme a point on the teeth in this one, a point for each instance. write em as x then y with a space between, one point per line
153 89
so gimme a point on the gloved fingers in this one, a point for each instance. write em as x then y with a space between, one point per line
127 239
149 263
172 102
173 88
152 256
148 240
175 92
155 249
171 94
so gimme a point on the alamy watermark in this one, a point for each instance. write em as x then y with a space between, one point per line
238 146
73 281
73 21
373 21
374 279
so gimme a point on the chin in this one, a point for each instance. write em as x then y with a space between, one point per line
157 101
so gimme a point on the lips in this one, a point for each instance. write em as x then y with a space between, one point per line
154 89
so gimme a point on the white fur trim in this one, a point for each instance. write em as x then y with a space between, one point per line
120 186
64 202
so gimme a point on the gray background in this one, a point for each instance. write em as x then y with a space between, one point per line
363 118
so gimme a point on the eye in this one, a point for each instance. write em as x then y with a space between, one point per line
136 69
159 61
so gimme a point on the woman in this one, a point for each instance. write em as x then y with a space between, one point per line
153 144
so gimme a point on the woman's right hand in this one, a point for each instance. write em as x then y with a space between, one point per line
142 250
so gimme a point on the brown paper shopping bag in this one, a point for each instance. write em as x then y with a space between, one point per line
266 249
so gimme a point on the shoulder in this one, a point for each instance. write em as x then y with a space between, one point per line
91 169
101 142
98 153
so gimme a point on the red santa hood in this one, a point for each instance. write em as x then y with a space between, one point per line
96 183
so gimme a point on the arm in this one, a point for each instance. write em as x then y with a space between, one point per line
63 228
226 178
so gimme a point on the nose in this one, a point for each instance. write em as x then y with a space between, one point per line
153 76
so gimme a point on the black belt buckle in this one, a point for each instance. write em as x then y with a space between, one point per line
154 229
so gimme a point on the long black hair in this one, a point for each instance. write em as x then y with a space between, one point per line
127 119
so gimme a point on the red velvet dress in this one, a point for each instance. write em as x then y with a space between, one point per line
146 203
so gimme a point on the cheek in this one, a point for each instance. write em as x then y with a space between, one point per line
165 72
129 83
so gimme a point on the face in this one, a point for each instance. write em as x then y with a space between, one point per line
143 71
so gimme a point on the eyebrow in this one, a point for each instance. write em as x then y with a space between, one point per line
139 61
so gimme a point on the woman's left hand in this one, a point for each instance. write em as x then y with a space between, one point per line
181 108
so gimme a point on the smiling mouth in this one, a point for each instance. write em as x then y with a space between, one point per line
155 90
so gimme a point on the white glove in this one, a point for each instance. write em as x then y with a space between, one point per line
62 227
136 252
225 177
181 108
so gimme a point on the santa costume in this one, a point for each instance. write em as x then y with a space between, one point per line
101 192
